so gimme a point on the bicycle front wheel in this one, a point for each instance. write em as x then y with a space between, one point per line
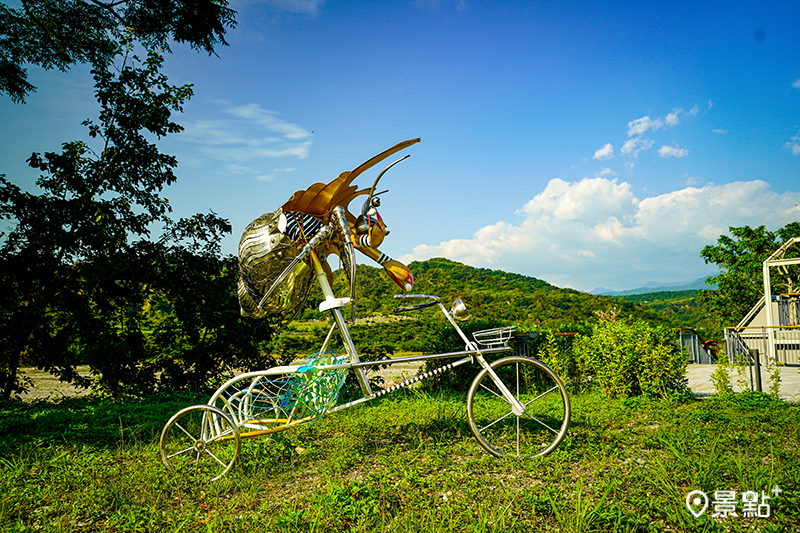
536 431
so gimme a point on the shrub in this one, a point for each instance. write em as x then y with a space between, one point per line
629 358
558 353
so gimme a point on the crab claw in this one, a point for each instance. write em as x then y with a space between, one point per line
399 273
396 270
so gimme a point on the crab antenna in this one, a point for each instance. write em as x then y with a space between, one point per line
372 189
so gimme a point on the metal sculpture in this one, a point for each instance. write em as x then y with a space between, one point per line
516 406
276 269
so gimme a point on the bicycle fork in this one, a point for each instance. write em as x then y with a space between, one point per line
516 406
334 305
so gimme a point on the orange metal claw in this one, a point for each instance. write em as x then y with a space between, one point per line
395 269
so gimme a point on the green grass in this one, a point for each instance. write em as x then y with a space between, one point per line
405 463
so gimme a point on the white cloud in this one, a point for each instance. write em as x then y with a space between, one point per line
671 151
273 175
632 147
639 127
592 232
245 136
268 120
307 7
606 152
796 83
605 172
720 131
642 125
794 144
673 119
459 5
239 153
240 169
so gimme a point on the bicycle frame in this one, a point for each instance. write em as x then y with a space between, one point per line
471 353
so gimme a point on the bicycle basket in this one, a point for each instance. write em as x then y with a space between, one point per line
314 391
494 337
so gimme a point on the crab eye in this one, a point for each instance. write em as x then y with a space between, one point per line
362 225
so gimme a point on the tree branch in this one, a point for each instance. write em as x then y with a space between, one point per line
110 8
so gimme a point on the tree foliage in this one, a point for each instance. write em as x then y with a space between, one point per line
528 302
84 282
740 282
680 308
61 33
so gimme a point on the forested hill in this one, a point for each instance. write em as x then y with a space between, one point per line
515 298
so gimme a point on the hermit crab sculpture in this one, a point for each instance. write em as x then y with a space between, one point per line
275 251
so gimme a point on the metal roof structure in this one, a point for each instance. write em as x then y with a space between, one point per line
779 261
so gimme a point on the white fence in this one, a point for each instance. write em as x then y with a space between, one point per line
785 341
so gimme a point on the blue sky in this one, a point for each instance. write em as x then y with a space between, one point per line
587 144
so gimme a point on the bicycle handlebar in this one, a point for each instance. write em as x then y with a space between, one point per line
419 297
414 307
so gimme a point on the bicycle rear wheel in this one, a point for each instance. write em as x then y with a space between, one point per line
539 429
200 443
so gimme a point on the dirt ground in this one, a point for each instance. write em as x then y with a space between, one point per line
48 387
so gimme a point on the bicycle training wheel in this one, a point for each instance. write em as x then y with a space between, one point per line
536 431
200 442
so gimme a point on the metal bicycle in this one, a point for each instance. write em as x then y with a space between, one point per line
516 406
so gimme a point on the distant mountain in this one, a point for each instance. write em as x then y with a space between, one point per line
489 294
650 287
601 291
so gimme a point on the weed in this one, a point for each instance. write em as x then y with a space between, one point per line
774 370
740 367
404 463
721 377
754 400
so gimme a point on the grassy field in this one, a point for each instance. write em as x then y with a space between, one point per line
404 463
